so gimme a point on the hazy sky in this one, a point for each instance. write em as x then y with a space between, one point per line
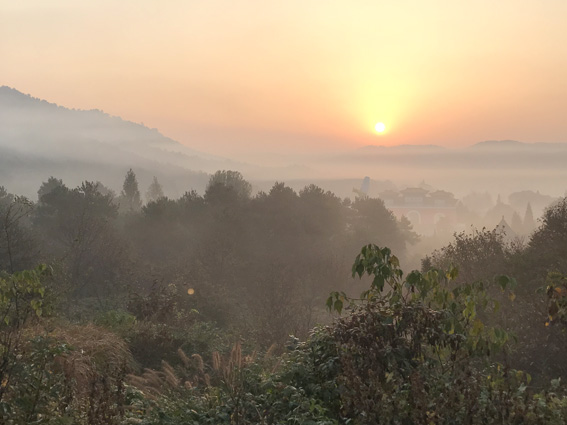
231 76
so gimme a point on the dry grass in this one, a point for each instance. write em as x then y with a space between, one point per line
184 359
92 371
96 351
192 372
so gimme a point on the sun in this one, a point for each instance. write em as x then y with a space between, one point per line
380 127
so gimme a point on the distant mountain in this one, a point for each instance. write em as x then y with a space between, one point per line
514 144
498 153
488 144
499 166
498 144
39 139
423 148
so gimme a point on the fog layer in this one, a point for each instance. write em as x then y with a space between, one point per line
39 139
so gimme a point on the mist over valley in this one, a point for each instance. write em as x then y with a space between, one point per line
40 139
263 213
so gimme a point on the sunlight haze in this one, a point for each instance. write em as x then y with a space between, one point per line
283 212
299 76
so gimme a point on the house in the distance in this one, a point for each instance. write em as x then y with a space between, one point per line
427 210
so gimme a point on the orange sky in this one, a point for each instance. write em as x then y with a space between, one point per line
279 76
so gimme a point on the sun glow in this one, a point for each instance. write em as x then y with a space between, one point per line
378 104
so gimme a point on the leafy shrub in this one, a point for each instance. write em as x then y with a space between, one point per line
417 351
412 349
61 374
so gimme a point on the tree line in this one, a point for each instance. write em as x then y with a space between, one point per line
257 264
117 311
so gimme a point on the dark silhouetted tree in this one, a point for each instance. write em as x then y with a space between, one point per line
371 221
233 180
479 255
17 247
322 212
547 249
77 229
130 196
48 186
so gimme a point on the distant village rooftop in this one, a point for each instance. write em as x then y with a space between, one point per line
425 209
418 197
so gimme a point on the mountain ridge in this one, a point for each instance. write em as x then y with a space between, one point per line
486 144
68 140
39 139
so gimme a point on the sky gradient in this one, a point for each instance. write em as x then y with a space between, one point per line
299 76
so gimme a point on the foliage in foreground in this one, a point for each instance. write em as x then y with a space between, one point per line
51 374
418 351
413 349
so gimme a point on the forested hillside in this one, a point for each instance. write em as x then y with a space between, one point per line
39 138
231 308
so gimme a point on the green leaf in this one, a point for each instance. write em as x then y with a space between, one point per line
477 328
329 303
506 281
452 273
394 261
338 306
413 278
496 306
378 283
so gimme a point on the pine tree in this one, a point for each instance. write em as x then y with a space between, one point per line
130 195
155 191
529 222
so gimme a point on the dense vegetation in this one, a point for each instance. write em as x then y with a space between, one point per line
180 311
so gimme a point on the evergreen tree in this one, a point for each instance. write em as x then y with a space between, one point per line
130 195
155 191
529 222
